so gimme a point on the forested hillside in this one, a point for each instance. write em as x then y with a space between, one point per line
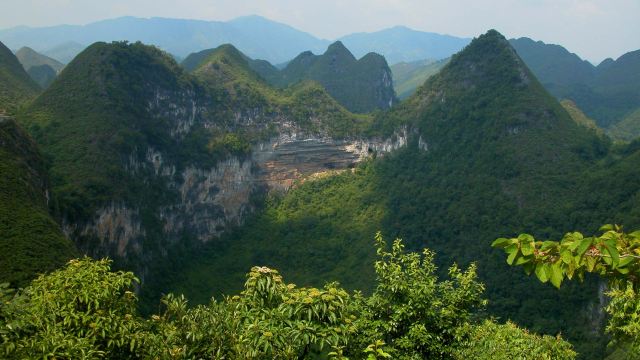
607 93
195 175
492 153
360 85
41 68
32 242
17 87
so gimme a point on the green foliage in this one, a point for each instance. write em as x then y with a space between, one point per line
16 87
226 70
268 320
628 128
31 242
579 117
502 156
86 311
83 311
229 143
487 342
606 93
416 315
94 117
301 234
614 255
360 86
407 77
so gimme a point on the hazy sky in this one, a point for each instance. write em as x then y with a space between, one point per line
594 29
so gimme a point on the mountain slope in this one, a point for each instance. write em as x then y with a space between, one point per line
401 44
407 77
628 129
103 122
148 160
29 58
42 69
607 93
256 36
16 87
579 117
31 242
360 85
556 68
489 153
225 69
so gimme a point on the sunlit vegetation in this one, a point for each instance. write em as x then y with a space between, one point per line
87 311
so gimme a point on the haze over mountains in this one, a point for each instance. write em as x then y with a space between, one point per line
257 37
608 92
191 172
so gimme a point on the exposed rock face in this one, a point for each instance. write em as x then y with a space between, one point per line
210 200
289 157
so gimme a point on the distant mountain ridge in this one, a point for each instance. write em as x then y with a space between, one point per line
258 37
16 87
41 68
361 85
253 35
607 93
402 44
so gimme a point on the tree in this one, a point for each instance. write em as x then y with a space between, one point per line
614 255
268 320
413 313
87 311
83 311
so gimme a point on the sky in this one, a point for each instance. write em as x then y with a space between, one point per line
593 29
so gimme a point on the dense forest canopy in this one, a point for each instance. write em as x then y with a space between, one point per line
191 175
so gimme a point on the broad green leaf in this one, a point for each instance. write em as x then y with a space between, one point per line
613 252
623 270
512 256
525 237
542 272
527 248
566 256
546 245
625 260
501 243
607 227
556 275
590 262
584 246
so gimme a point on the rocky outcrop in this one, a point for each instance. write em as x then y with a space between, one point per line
210 200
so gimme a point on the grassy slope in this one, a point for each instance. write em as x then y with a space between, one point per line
31 242
579 117
407 77
504 157
628 129
16 87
